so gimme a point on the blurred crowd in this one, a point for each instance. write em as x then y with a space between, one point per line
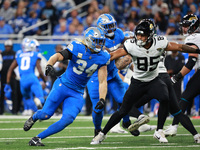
18 14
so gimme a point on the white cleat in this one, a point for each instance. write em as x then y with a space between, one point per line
98 139
117 129
146 127
197 138
142 119
160 136
171 131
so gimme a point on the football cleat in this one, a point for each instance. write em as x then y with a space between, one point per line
142 119
28 124
96 131
146 127
160 136
171 131
197 138
98 139
35 141
117 129
135 132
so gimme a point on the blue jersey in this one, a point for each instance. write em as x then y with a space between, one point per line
113 44
27 62
82 65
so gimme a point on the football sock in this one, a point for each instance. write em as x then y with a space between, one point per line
183 105
97 119
114 119
162 115
186 123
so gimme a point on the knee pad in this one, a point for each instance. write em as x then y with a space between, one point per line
42 115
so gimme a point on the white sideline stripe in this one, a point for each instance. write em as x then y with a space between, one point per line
7 129
70 137
130 147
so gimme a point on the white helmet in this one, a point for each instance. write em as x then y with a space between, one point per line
36 43
24 44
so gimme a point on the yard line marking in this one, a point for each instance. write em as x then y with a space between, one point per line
68 137
129 147
10 129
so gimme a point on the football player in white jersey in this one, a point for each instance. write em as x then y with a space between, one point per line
188 27
145 50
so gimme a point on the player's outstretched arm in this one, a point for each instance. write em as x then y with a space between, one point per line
118 53
102 77
10 70
123 62
172 46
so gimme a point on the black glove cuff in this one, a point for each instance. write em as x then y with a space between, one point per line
179 76
197 51
102 100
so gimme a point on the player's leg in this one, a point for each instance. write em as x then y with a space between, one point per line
36 88
117 90
158 90
72 106
176 112
97 114
53 100
134 93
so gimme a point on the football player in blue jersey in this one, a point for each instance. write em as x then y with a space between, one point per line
114 38
27 59
85 58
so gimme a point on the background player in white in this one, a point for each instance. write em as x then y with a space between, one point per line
145 50
189 25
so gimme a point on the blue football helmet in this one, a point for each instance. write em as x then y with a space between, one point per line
107 23
128 34
24 44
94 38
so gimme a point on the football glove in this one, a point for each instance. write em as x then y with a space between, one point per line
49 71
177 77
7 88
100 104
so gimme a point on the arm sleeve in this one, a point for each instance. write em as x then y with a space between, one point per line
66 54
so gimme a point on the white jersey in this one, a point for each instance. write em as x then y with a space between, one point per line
161 65
193 39
146 60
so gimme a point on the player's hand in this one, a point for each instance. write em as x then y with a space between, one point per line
7 88
177 77
49 71
100 104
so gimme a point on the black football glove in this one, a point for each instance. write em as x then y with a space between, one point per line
100 104
49 71
177 77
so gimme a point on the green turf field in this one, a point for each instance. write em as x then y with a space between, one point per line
79 135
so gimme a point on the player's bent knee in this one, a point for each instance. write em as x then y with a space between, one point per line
43 116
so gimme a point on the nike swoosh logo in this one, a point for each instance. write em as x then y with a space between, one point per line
157 137
34 142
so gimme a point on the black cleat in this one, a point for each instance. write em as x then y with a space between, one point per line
35 141
96 131
28 124
135 132
125 125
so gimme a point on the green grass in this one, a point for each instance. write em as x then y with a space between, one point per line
79 135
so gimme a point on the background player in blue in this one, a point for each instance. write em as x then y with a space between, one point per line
114 38
85 58
27 59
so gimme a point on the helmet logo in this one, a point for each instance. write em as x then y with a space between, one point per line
193 18
151 26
